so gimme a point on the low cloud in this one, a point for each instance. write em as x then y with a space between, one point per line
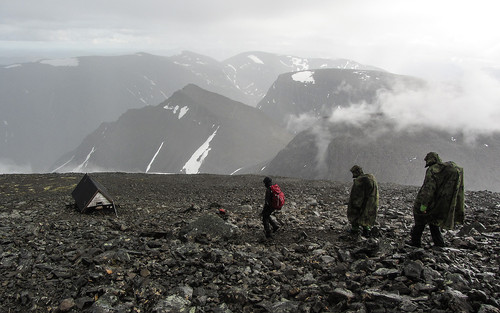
301 122
471 105
468 107
323 138
9 167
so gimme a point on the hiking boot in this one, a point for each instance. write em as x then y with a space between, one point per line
413 244
375 232
354 236
437 248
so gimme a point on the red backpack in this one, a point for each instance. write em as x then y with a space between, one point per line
277 197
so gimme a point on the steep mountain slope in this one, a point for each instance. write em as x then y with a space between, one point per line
328 151
340 119
48 107
298 99
194 131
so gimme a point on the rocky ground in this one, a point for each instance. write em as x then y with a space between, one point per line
168 249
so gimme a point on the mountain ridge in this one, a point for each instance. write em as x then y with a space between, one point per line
49 106
193 131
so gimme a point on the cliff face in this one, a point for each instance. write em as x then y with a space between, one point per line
168 249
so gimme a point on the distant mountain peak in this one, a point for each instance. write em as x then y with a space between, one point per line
193 131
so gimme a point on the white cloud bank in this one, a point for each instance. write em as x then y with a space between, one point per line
470 105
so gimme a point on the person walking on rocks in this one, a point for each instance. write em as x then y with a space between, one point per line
268 209
440 200
363 201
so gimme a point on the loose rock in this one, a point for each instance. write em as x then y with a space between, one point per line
171 250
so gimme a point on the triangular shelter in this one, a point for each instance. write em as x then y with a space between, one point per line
89 194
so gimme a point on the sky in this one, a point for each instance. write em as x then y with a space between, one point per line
430 39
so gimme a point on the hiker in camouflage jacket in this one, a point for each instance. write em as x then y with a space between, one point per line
440 200
363 201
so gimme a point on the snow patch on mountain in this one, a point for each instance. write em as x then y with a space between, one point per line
193 165
60 167
255 59
62 62
349 65
363 75
236 171
182 111
304 77
12 66
300 63
84 163
154 157
152 82
182 64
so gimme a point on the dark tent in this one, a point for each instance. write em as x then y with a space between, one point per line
89 194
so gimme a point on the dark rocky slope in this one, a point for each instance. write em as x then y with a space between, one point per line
169 251
328 150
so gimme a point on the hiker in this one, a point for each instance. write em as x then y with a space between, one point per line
440 200
268 209
363 201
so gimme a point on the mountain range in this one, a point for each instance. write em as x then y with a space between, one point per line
48 107
194 131
253 113
196 123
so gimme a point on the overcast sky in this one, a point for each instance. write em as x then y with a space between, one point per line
404 37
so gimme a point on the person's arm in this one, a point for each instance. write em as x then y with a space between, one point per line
267 199
426 194
357 195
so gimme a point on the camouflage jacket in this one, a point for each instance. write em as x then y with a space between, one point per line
443 194
363 201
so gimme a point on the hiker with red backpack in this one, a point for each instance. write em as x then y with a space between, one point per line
274 200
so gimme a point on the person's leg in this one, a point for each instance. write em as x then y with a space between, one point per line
273 223
416 234
355 228
437 238
266 220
